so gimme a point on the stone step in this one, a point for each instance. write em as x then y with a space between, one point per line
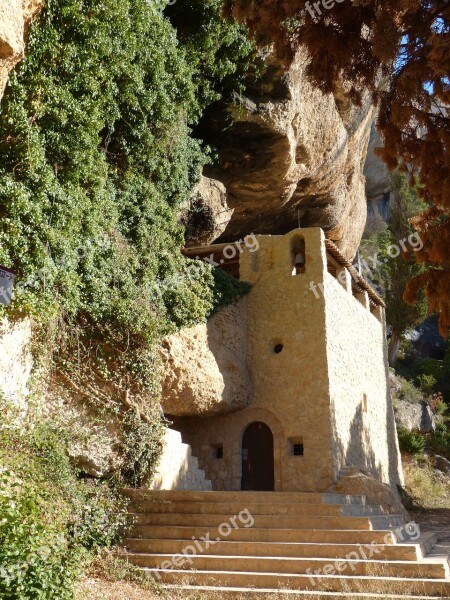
268 521
329 583
242 497
240 593
178 468
266 508
402 552
291 566
193 463
254 534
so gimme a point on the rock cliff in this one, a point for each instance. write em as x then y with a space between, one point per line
15 16
288 151
375 171
204 366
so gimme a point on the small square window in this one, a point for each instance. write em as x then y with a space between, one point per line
298 449
219 452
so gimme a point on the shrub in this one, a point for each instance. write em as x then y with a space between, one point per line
437 404
439 441
409 392
411 441
426 383
51 523
97 158
143 447
424 483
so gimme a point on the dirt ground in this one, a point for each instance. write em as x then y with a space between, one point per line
435 520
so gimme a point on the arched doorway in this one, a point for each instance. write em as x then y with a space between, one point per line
257 458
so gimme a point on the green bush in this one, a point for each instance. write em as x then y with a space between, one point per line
143 447
426 383
51 523
97 158
439 441
409 392
411 442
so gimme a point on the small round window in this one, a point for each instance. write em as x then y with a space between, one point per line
276 346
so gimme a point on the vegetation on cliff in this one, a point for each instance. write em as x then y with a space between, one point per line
97 157
51 522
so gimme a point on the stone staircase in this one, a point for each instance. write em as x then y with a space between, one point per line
178 469
258 543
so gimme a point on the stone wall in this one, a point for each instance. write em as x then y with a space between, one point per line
364 433
324 388
290 389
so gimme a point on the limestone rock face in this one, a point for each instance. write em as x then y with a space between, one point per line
288 151
208 214
441 464
375 171
98 453
96 435
15 15
204 366
16 361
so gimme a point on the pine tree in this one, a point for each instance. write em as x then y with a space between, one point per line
398 270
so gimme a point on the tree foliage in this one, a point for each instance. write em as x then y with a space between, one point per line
400 51
399 270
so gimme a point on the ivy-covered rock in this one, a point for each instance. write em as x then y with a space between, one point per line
97 157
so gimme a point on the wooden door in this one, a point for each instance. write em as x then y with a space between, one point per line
257 458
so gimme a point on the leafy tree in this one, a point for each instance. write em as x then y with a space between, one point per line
400 51
218 50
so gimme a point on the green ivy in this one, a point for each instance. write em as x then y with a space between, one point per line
97 157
